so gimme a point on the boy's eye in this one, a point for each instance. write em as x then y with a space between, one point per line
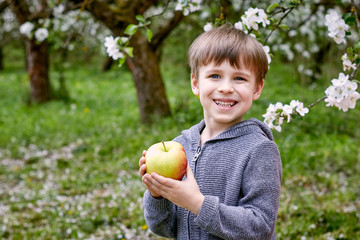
240 79
214 76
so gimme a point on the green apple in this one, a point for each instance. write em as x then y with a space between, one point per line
167 159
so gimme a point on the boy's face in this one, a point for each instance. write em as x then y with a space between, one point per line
226 93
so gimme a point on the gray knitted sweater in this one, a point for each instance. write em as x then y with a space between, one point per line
239 173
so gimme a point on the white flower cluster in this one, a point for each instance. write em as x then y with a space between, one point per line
251 20
276 114
347 64
342 93
27 29
188 6
336 26
208 27
113 48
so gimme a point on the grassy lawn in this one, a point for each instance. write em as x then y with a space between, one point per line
68 170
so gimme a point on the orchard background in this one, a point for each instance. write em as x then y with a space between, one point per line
73 123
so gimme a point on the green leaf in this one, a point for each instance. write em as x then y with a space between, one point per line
140 18
129 51
350 20
149 34
272 7
131 29
284 26
122 61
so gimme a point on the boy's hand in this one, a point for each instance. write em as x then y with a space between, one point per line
142 173
142 165
185 194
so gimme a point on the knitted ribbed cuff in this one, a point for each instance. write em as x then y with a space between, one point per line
207 211
156 204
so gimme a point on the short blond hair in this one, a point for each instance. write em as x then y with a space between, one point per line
228 43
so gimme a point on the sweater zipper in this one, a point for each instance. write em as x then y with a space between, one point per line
196 156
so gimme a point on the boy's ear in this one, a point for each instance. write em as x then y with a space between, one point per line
258 89
194 85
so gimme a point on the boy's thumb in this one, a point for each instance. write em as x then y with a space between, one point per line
189 172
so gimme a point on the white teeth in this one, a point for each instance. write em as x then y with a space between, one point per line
224 104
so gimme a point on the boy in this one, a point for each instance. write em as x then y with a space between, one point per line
232 184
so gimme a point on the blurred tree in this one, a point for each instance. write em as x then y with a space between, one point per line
144 65
3 6
37 53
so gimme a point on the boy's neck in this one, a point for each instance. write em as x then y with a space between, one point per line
211 131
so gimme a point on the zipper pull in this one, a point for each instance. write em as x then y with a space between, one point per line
196 156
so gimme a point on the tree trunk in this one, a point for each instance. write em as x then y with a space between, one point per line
37 59
145 69
144 66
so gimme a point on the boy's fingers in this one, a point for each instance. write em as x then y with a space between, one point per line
160 180
142 161
142 170
144 153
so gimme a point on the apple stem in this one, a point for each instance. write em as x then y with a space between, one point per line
164 146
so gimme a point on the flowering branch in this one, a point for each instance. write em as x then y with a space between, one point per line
342 93
317 101
117 48
289 10
351 77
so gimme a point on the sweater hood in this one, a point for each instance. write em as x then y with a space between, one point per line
242 128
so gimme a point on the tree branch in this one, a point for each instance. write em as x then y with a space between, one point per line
278 23
165 30
317 101
352 76
21 10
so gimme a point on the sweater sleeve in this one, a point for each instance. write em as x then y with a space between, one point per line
160 215
255 215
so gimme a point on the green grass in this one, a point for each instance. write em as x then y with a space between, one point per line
68 170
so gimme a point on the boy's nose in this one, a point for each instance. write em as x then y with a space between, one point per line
226 87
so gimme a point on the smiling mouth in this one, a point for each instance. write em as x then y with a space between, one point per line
225 103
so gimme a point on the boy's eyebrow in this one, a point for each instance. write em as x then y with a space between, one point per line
241 72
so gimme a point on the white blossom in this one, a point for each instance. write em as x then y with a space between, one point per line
342 80
342 93
41 34
188 6
253 17
276 114
336 26
58 10
112 47
239 26
299 107
208 27
26 29
347 64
